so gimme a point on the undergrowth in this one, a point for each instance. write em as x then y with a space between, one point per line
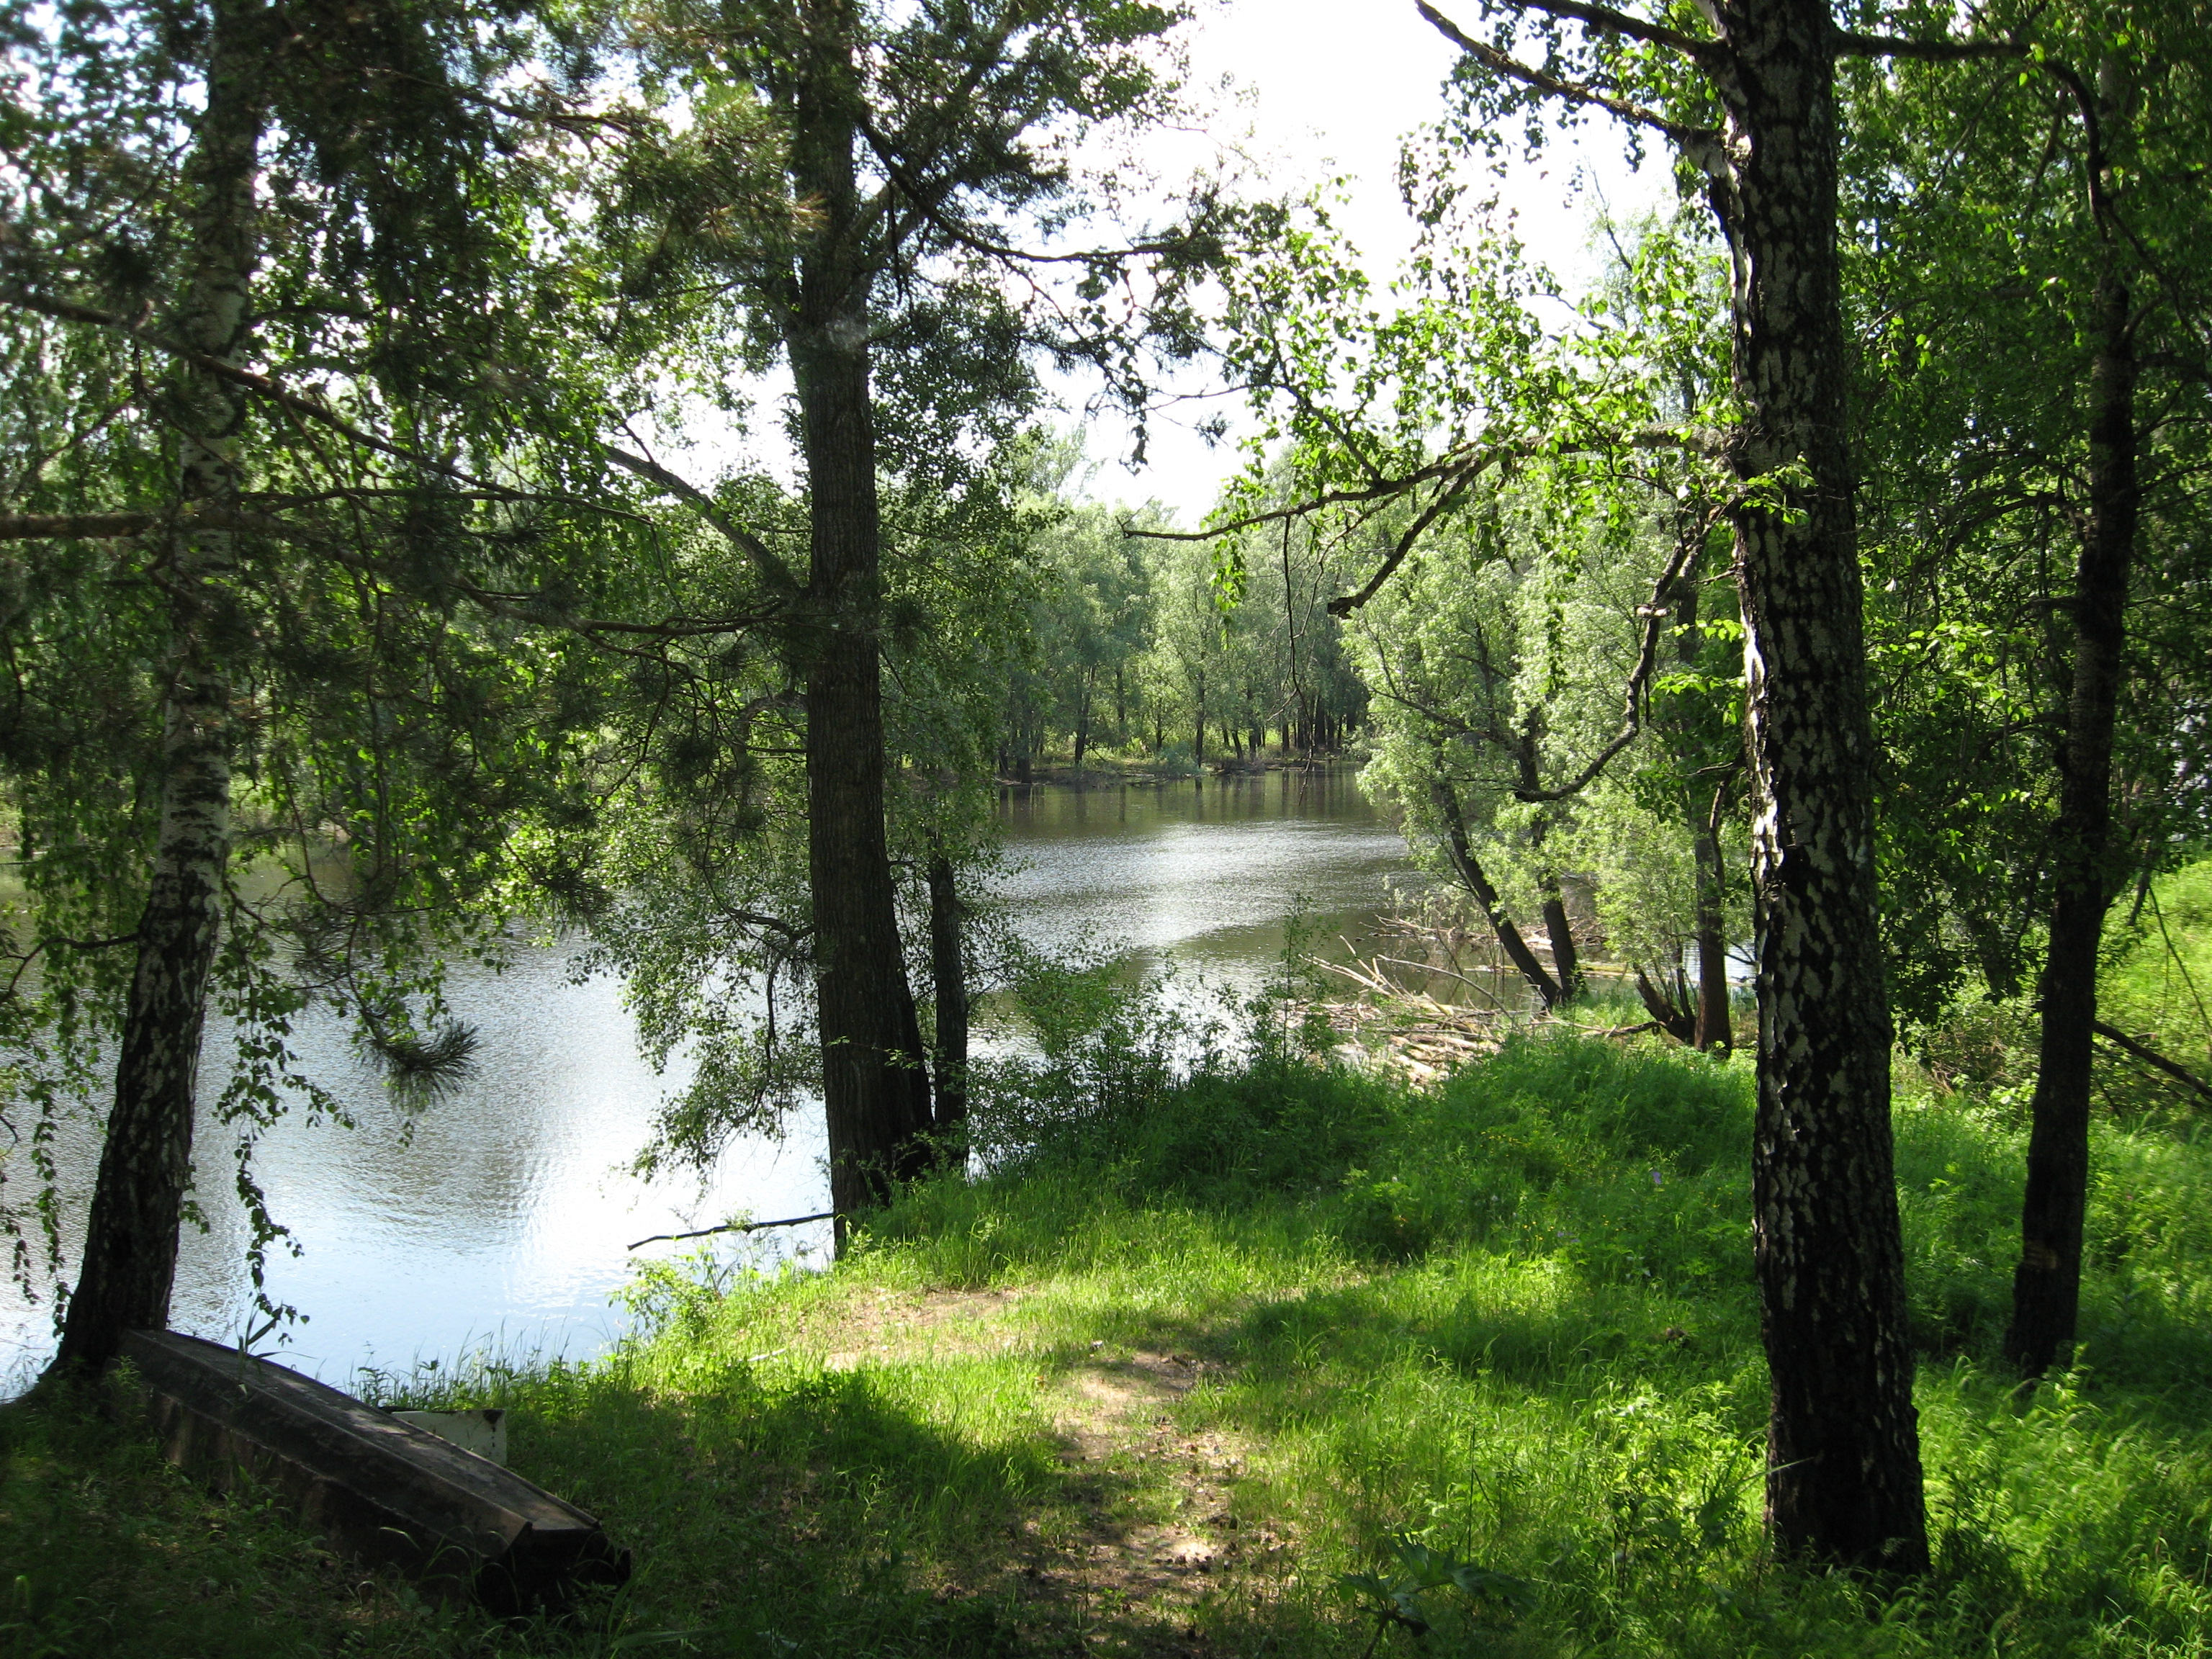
1486 1354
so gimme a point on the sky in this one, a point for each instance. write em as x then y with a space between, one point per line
1330 86
1307 91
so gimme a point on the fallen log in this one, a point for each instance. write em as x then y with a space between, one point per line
379 1489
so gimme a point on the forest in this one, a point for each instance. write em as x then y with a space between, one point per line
628 471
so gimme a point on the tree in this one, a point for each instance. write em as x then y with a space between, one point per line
1747 98
2027 277
881 263
267 586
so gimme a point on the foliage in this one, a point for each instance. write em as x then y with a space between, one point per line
1973 264
406 739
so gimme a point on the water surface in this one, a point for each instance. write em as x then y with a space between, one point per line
499 1219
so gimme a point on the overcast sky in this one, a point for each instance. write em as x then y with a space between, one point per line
1330 86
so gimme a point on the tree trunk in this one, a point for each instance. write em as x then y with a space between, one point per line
2047 1286
1083 725
875 1085
948 964
1477 882
1666 1011
1843 1479
1715 1031
129 1261
1198 731
1565 965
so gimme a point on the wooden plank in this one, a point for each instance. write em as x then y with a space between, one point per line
380 1489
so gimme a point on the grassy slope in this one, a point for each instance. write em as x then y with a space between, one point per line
1274 1324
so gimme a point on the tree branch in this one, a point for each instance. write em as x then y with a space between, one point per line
2151 1057
1605 20
773 570
69 311
736 1227
1632 714
530 608
116 526
1929 52
1383 491
1702 145
1344 604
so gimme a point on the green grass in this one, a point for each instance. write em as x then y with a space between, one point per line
1507 1321
106 1550
2156 982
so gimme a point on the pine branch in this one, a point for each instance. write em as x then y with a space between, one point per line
276 391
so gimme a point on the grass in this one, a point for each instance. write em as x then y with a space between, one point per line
2156 983
1282 1360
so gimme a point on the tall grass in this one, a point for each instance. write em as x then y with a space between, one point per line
1482 1358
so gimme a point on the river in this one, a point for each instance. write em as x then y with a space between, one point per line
499 1223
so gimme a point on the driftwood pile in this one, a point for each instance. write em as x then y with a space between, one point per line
1392 1011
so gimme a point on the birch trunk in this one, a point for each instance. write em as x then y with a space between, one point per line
1844 1476
130 1263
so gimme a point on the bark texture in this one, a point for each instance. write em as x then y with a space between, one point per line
129 1261
1844 1476
2047 1286
875 1083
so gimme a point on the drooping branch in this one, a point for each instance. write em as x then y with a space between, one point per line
1446 498
2151 1057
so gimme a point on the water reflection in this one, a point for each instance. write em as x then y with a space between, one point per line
1204 874
503 1218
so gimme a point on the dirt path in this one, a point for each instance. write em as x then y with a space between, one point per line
1156 1533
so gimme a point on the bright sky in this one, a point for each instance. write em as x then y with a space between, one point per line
1330 86
1315 89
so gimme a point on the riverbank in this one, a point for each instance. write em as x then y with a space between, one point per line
1204 1351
